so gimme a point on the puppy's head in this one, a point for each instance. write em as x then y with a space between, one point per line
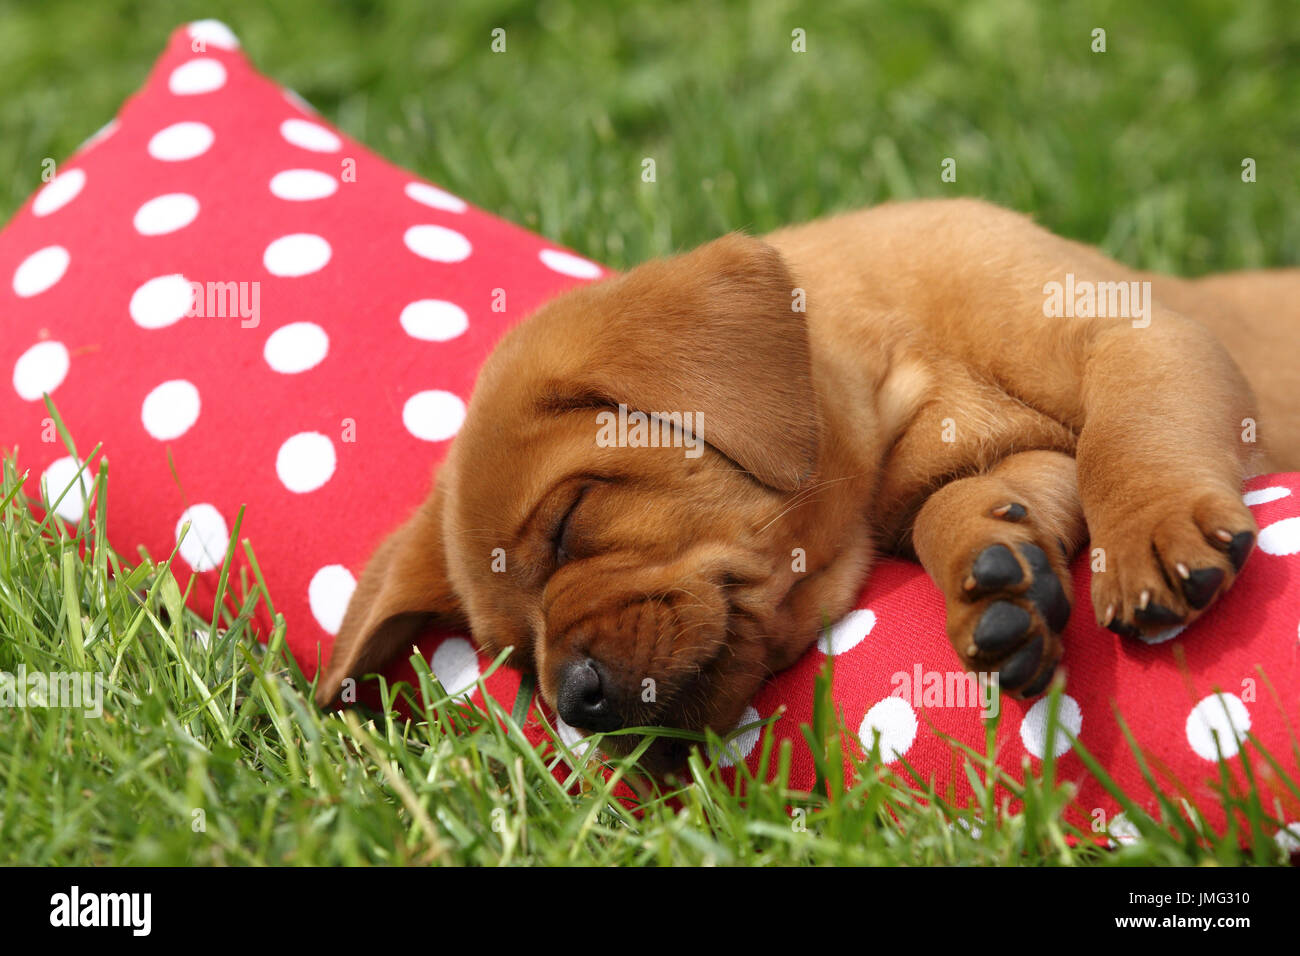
640 577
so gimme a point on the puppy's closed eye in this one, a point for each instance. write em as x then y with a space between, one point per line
561 536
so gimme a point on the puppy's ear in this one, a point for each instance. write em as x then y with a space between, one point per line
711 332
403 588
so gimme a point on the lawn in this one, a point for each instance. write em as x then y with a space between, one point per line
210 750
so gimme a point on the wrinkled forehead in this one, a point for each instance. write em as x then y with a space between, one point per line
506 468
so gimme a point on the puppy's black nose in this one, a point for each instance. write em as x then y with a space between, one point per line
584 699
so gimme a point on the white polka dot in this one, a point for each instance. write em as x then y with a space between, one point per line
893 722
167 213
60 191
1166 635
571 736
170 410
437 243
62 475
308 135
297 255
1123 831
204 545
161 301
328 594
1265 495
40 369
1033 728
101 134
434 320
1288 838
197 76
738 749
305 462
455 664
569 264
40 270
434 415
435 197
1224 715
214 33
299 185
848 633
1281 537
296 347
181 141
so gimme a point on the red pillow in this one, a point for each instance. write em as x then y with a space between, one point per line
222 284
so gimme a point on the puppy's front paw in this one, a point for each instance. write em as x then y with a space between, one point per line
1007 613
1165 561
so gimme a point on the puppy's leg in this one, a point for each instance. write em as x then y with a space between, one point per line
1159 405
998 545
1161 456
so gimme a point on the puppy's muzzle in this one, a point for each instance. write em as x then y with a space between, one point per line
587 698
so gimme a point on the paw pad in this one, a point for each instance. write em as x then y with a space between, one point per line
1045 588
1239 548
1199 586
1017 631
1001 626
1157 615
995 568
1123 630
1022 665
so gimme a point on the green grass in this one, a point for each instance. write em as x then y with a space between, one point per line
209 750
1138 150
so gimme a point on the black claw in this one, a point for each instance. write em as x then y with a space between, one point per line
1015 512
1045 588
1158 615
1001 626
996 568
1022 665
1239 548
1200 586
1123 630
1039 683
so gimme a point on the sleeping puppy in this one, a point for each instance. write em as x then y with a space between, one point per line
941 379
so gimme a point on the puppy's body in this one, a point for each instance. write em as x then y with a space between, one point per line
922 403
928 311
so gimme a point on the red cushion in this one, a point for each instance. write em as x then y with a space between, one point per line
377 297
